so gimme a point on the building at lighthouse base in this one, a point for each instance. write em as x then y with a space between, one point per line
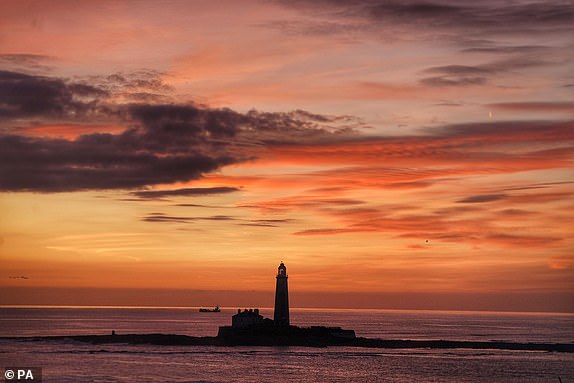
249 327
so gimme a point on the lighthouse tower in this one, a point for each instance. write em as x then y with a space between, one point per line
281 314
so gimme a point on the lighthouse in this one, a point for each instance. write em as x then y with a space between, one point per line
281 313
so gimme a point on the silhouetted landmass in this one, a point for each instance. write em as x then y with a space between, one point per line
266 334
314 338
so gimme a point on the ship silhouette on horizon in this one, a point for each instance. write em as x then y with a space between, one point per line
216 309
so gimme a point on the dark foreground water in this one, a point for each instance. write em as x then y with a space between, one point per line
67 361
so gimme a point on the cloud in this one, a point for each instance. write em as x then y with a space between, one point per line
160 144
508 131
457 70
329 231
507 49
561 262
442 159
144 86
192 205
25 96
449 103
186 192
535 106
160 217
435 17
302 202
165 145
513 240
149 80
20 61
96 161
483 198
163 218
168 143
464 75
516 213
447 226
188 122
28 96
510 31
267 222
494 17
517 62
497 146
453 81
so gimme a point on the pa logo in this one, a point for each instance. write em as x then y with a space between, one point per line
23 374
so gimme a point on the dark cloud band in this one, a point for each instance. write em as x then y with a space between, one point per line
161 144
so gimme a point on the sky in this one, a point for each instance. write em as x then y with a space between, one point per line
394 154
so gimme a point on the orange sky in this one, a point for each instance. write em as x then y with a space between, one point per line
393 154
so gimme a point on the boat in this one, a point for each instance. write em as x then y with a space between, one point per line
216 309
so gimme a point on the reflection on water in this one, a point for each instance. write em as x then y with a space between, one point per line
75 362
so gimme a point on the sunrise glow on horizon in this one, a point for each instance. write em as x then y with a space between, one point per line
387 152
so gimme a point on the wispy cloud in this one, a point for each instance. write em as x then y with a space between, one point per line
300 202
263 222
433 166
464 75
483 230
483 198
534 106
25 61
185 192
160 217
482 17
453 81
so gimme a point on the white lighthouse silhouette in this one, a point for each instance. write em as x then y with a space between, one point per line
281 313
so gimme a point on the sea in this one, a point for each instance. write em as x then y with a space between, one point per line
64 361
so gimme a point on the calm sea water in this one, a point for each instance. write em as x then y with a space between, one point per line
65 361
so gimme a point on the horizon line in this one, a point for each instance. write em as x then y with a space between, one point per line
453 311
